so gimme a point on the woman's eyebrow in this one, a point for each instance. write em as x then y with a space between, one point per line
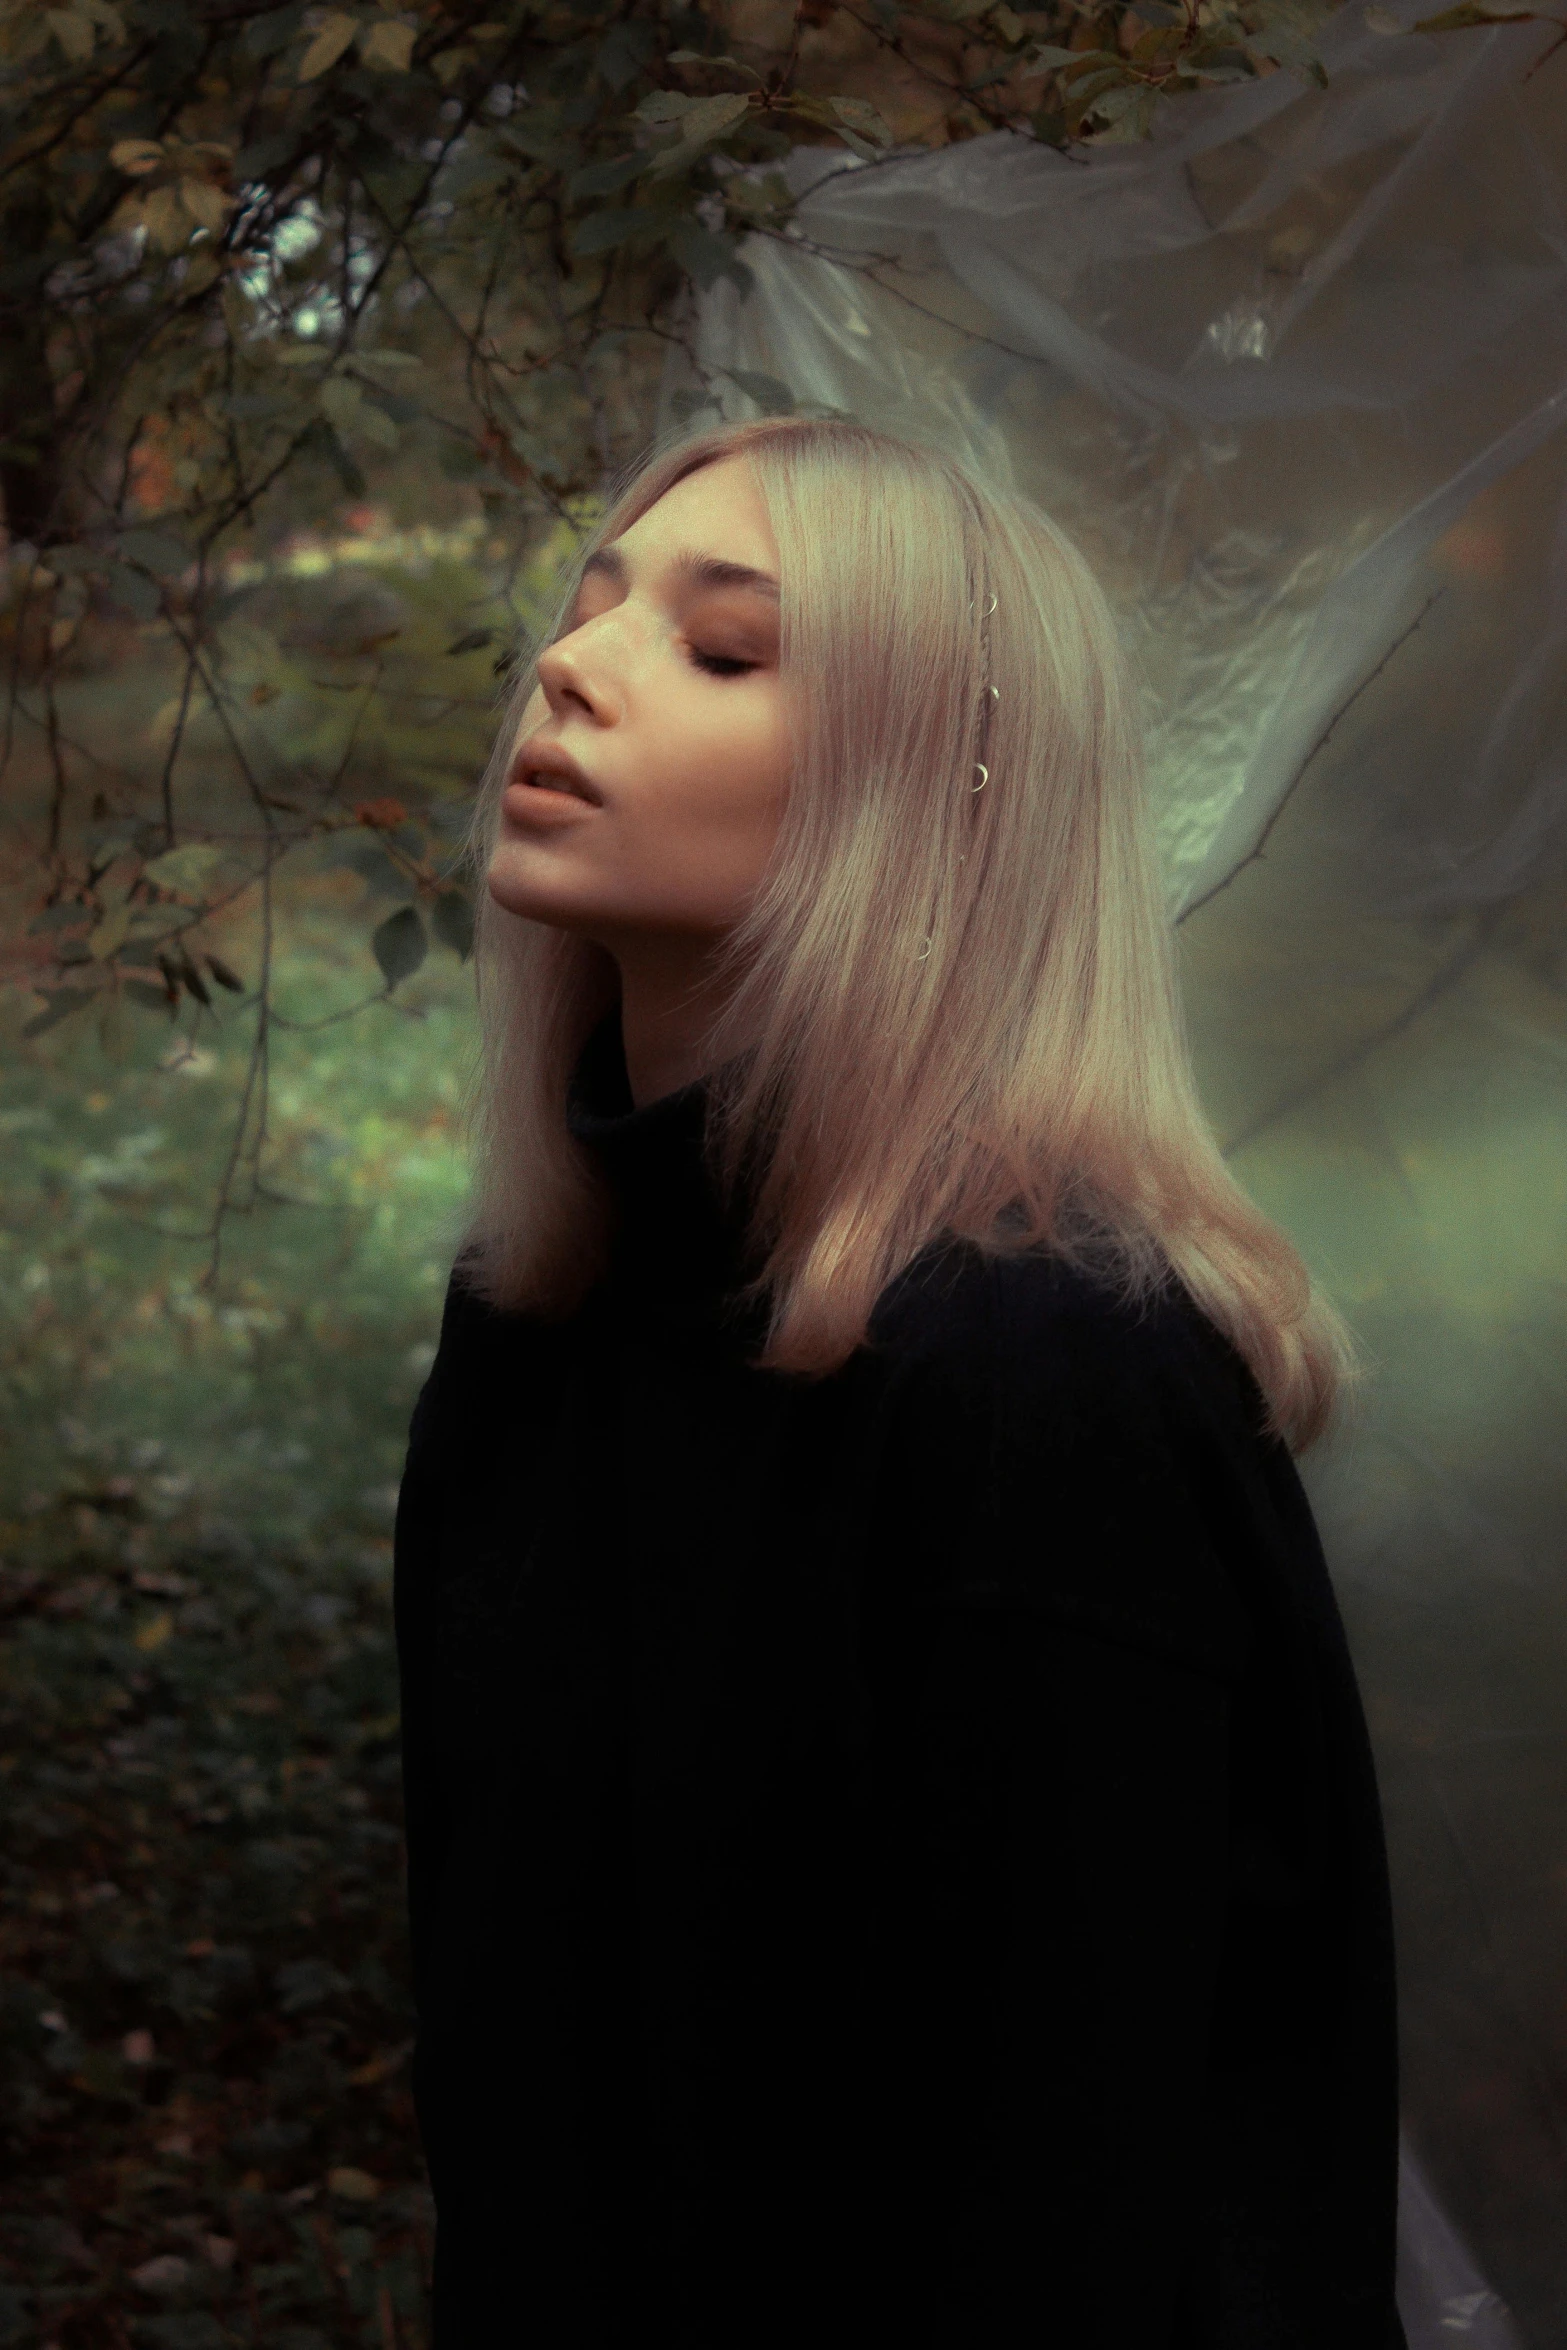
690 568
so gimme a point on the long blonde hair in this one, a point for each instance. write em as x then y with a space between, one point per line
959 1005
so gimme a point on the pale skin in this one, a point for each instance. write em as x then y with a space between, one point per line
663 694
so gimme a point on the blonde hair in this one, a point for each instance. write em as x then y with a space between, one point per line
959 1006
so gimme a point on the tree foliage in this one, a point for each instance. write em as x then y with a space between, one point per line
294 297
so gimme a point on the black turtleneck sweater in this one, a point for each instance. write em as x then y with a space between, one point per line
892 1858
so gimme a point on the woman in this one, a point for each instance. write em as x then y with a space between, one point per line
894 1852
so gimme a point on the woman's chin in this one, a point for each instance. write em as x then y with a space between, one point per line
518 888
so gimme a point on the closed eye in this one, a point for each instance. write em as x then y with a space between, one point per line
720 664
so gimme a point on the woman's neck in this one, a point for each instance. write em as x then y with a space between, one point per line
669 1000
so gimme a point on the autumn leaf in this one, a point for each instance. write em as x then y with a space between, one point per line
208 206
356 2186
165 219
136 156
164 2273
73 29
332 37
388 44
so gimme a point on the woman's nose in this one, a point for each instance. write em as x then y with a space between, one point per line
581 670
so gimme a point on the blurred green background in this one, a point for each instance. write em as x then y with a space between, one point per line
204 2019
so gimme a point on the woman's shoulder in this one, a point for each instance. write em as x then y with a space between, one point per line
1056 1335
1112 1449
484 1348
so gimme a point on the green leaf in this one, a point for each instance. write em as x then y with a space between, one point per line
135 591
703 123
732 64
1079 58
255 407
377 423
858 146
387 361
603 179
152 999
1128 113
707 256
537 137
331 447
684 405
265 35
771 396
156 551
472 175
342 400
1091 86
184 872
601 232
864 119
665 106
452 921
260 160
399 945
59 1004
623 52
63 559
1285 32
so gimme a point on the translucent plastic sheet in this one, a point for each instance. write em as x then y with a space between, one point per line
1295 377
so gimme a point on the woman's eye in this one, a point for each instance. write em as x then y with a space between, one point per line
720 664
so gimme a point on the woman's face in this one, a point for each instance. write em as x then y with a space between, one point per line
662 703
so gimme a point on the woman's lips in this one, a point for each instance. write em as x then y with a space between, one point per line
549 766
538 799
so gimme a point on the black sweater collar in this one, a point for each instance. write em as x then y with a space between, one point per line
676 1250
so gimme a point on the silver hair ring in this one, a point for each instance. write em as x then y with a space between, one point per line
924 951
994 692
991 608
983 772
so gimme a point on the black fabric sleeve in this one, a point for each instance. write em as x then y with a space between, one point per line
415 1569
1055 1675
438 1473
